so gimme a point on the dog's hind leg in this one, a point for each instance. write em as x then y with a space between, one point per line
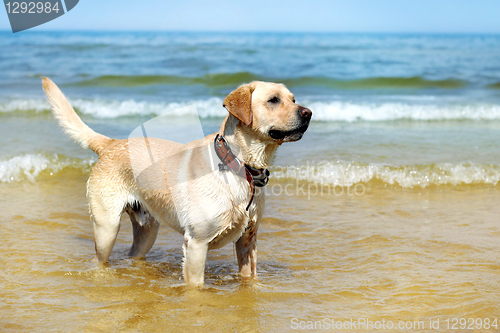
106 207
106 226
145 228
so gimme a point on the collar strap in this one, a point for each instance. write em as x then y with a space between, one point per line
229 161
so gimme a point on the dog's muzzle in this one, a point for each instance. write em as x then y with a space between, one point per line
304 115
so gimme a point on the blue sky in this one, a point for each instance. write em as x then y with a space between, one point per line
440 16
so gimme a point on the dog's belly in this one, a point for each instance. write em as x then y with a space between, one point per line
210 208
232 232
216 230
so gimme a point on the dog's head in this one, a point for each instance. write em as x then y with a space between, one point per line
270 110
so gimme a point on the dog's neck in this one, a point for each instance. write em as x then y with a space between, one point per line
250 149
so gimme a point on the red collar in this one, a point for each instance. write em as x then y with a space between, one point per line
229 161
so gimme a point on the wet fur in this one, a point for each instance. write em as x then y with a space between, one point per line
213 212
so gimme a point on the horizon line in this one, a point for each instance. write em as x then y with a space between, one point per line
260 31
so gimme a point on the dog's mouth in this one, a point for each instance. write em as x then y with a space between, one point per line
293 135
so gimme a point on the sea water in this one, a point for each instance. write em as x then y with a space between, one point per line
387 209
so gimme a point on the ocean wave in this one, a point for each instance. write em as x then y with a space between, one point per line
99 108
392 111
235 79
415 82
209 80
30 166
494 85
211 107
331 111
25 105
348 174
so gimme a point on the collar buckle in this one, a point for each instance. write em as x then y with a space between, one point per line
229 161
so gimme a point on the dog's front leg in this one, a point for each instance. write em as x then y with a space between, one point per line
246 251
195 256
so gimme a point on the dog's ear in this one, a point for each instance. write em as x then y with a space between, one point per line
239 103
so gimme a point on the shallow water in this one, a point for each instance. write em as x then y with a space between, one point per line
391 203
393 254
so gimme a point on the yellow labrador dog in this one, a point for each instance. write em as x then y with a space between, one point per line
204 189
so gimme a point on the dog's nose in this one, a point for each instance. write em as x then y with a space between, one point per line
305 113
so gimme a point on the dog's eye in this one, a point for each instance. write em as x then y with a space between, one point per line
274 100
293 100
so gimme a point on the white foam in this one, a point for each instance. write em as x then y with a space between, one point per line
99 108
30 166
36 105
322 111
211 107
348 174
350 112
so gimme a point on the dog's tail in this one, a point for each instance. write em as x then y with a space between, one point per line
70 122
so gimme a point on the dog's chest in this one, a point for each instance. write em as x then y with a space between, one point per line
238 221
232 223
